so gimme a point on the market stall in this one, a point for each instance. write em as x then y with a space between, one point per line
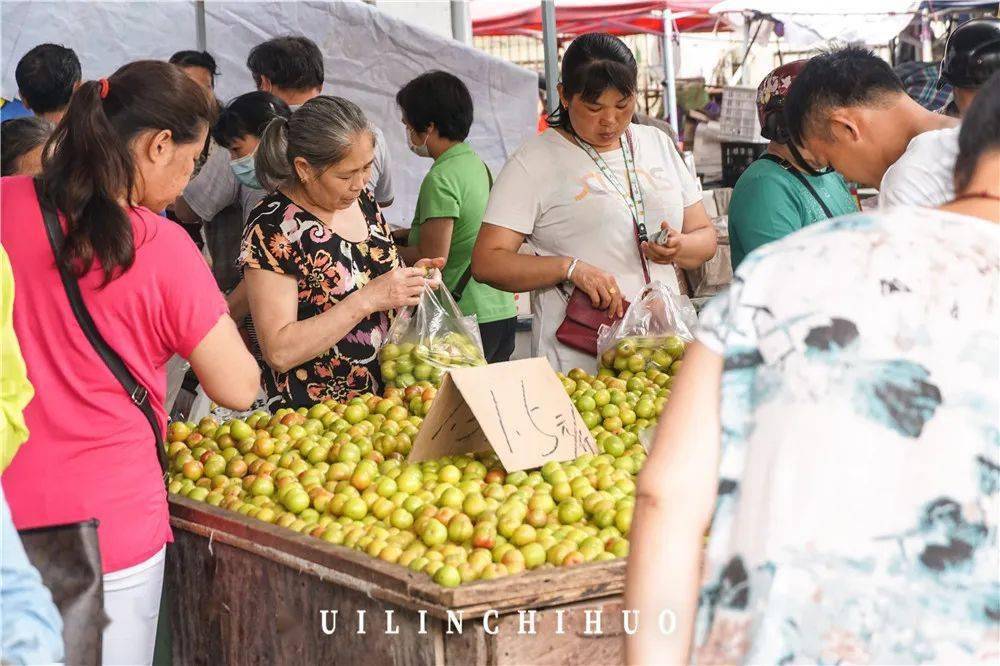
621 17
249 592
451 511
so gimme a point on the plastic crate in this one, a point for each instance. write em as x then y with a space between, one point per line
738 119
736 157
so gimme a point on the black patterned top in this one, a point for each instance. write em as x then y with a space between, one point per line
284 238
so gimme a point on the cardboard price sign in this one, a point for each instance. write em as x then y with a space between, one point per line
519 409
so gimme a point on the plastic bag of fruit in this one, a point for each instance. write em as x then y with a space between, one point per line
426 341
651 336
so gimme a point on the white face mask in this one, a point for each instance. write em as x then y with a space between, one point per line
245 171
420 150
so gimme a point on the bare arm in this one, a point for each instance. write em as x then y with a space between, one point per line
496 262
239 304
435 241
284 340
674 504
183 212
692 246
400 237
287 342
224 367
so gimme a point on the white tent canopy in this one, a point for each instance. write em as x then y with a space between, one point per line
368 56
812 24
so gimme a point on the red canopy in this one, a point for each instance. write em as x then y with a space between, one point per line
576 18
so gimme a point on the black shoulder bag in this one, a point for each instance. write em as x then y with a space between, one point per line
801 178
463 281
68 558
136 391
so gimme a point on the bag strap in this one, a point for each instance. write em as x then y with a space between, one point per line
641 236
802 179
463 281
135 391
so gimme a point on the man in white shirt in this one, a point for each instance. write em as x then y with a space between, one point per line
850 110
290 68
924 175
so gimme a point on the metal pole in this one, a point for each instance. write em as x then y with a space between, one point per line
926 41
551 54
745 71
461 21
669 80
199 25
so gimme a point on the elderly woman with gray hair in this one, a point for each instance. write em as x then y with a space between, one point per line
322 272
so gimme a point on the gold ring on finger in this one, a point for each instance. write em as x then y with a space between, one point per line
612 291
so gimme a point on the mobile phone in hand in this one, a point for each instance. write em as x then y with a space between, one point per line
661 238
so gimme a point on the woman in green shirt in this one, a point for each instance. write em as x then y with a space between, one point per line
780 193
437 113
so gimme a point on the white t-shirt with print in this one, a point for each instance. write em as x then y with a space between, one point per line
924 174
551 191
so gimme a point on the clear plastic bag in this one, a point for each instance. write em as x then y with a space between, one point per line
203 406
652 335
426 341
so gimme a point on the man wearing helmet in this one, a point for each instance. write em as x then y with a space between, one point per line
923 175
780 193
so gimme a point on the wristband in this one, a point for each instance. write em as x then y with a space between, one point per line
572 267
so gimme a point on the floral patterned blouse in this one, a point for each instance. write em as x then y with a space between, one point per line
859 491
284 238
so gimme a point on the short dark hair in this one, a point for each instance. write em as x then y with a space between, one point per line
980 133
593 63
292 62
248 114
440 98
201 59
850 76
18 137
46 77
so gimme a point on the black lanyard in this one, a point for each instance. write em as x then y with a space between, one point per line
802 179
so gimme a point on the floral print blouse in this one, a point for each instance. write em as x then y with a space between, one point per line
858 484
284 238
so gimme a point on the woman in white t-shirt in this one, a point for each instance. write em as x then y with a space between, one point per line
568 192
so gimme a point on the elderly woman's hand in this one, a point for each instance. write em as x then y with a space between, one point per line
397 288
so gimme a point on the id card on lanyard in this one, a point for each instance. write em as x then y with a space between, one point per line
632 197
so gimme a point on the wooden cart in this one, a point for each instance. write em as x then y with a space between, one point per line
246 592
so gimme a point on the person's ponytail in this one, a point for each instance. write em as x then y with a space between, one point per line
322 132
271 160
91 176
88 174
